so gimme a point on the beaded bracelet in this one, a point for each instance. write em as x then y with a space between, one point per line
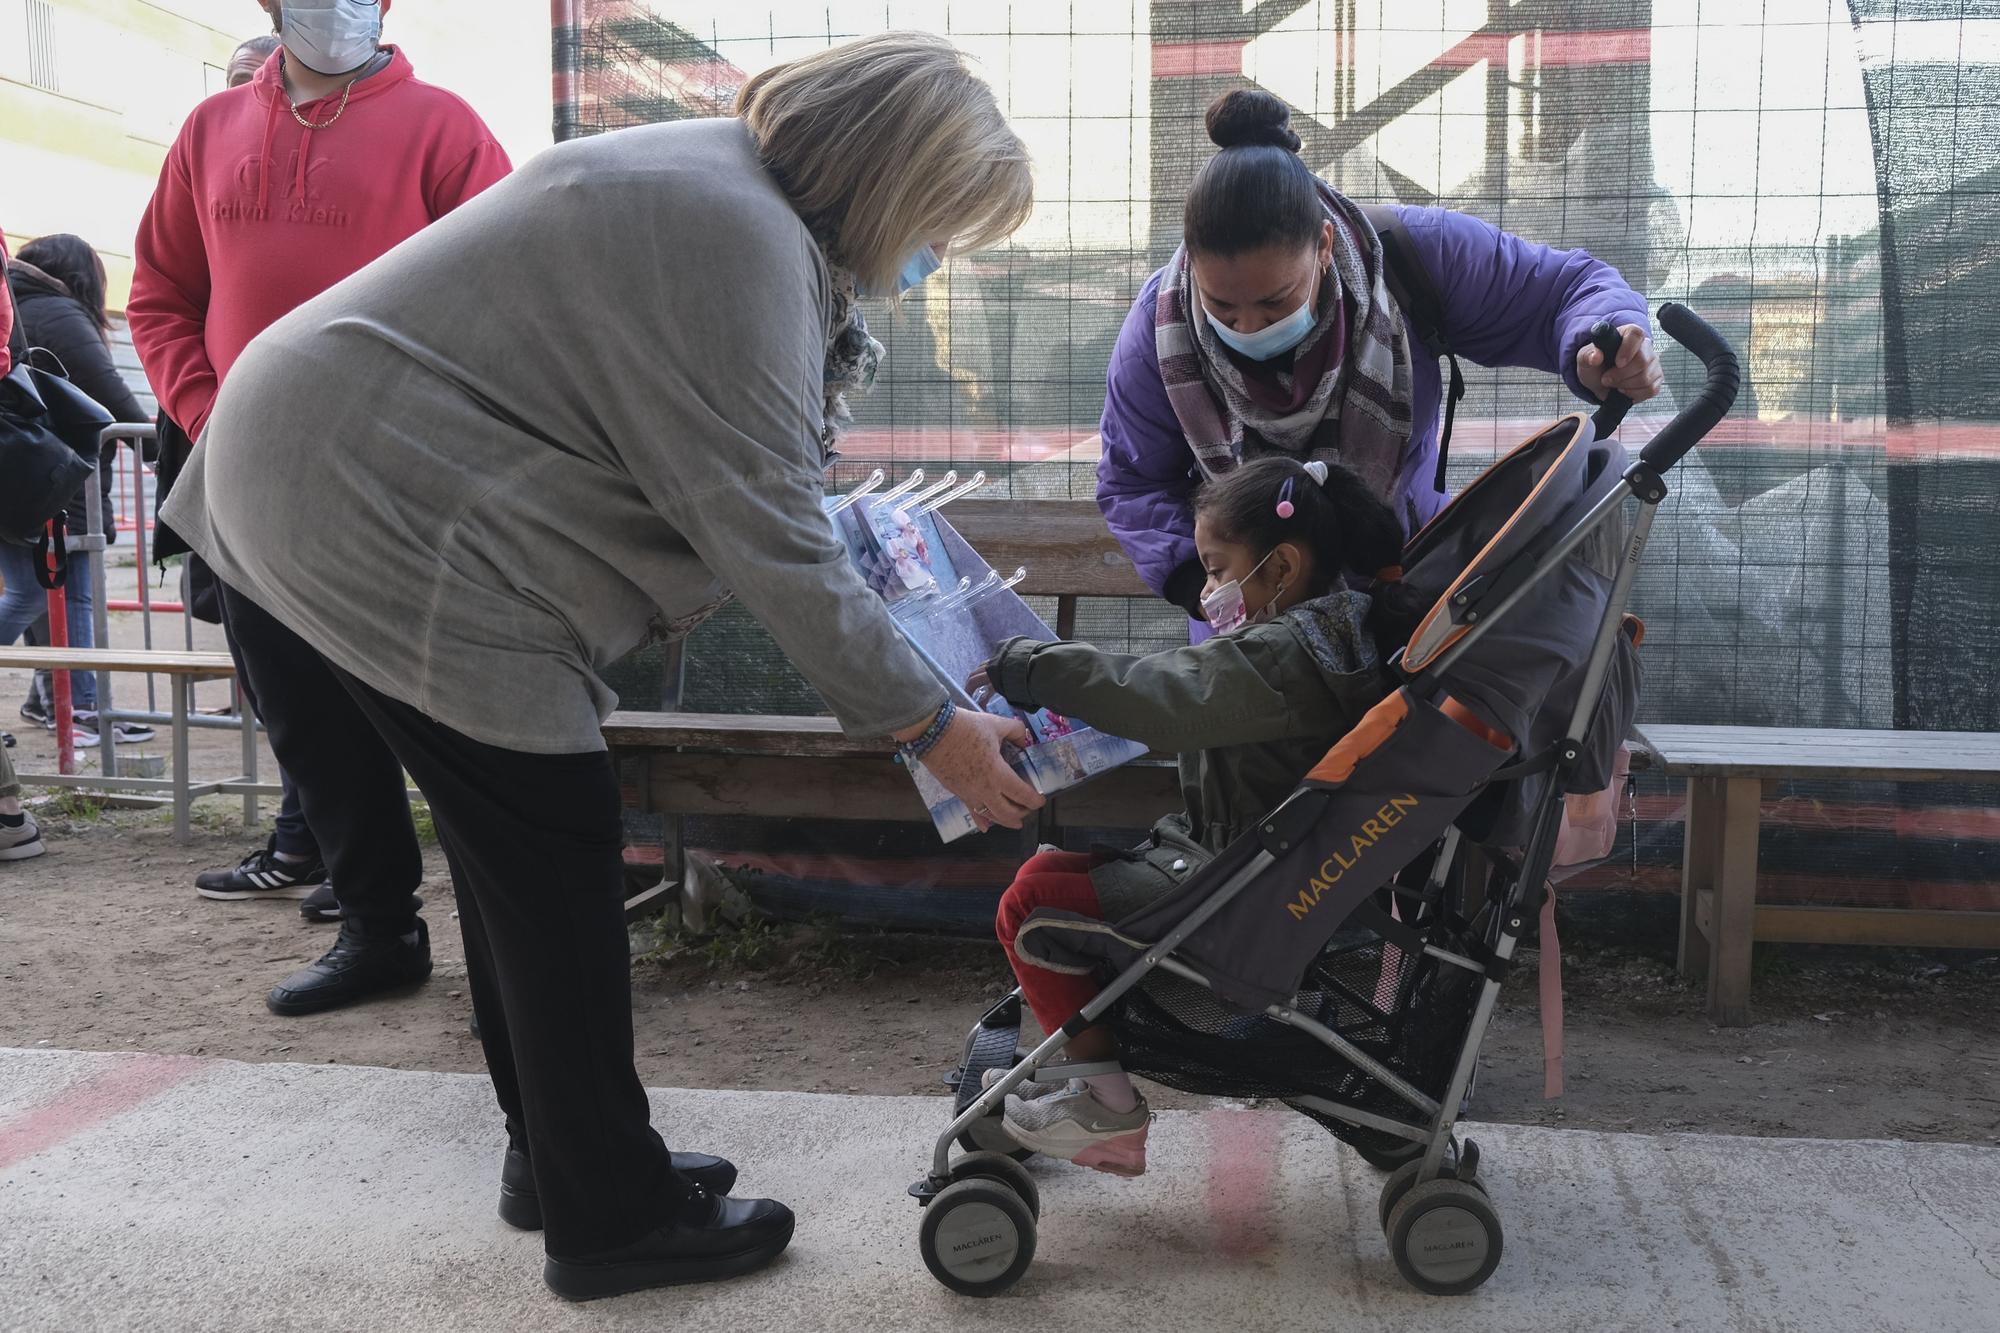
927 742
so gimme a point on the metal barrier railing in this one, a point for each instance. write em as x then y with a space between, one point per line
132 514
91 546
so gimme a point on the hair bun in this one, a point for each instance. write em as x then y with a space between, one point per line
1251 116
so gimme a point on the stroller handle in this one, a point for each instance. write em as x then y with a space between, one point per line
1606 340
1717 395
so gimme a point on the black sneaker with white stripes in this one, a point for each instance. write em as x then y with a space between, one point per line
127 733
322 906
261 875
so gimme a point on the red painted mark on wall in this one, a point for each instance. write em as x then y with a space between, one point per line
95 1101
1242 1175
1187 60
1548 48
1616 46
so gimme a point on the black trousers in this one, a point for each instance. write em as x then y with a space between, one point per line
294 836
349 786
535 846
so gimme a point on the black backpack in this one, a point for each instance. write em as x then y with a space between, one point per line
1409 282
48 449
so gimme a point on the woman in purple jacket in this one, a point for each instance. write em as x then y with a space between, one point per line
1272 330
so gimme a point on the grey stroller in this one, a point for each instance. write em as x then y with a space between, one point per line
1346 956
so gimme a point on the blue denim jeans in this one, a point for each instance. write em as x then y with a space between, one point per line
26 601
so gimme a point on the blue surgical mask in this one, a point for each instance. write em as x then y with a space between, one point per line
1272 340
915 269
331 36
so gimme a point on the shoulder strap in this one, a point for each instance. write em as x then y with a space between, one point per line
17 335
1410 283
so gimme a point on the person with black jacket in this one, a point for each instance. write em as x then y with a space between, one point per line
20 838
57 283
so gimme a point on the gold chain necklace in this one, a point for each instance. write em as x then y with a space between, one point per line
337 111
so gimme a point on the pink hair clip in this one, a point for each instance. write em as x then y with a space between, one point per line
1285 509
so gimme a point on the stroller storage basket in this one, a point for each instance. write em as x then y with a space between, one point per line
1399 1010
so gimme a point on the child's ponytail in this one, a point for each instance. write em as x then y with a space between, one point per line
1372 546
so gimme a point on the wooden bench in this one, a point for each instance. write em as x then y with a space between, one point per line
183 671
1727 769
805 768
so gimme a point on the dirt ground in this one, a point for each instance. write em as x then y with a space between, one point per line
105 946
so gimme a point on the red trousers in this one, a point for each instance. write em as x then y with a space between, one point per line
1049 879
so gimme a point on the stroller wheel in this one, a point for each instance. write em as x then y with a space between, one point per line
1005 1170
1399 1182
1445 1237
1393 1189
977 1237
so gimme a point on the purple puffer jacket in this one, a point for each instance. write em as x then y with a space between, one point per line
1507 302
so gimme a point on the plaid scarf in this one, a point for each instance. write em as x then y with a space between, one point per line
852 358
1358 411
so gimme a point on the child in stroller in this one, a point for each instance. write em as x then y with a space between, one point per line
1250 711
1282 966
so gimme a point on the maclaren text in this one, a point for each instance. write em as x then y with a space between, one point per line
1371 832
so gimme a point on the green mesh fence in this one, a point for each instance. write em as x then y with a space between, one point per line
1816 178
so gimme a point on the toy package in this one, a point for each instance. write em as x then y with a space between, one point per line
955 609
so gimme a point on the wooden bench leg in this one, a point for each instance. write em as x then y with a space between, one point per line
1733 921
1700 843
179 687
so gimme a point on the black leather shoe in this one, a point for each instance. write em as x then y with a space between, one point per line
521 1204
716 1237
356 967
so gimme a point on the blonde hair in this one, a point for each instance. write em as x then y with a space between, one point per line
886 143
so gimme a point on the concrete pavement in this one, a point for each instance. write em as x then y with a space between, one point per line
147 1192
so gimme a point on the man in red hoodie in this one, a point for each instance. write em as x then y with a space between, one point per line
328 158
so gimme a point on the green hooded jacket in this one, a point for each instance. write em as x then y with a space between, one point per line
1249 712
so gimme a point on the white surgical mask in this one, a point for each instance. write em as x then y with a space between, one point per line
1273 339
1225 610
915 269
331 36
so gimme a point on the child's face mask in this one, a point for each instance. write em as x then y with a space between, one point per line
1225 608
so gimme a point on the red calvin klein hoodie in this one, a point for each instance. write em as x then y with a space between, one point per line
256 214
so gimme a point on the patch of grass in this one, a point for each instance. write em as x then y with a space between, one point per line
819 950
69 806
211 816
420 815
1767 962
747 947
825 947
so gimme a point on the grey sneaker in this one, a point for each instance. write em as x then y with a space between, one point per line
21 842
1027 1092
1075 1126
